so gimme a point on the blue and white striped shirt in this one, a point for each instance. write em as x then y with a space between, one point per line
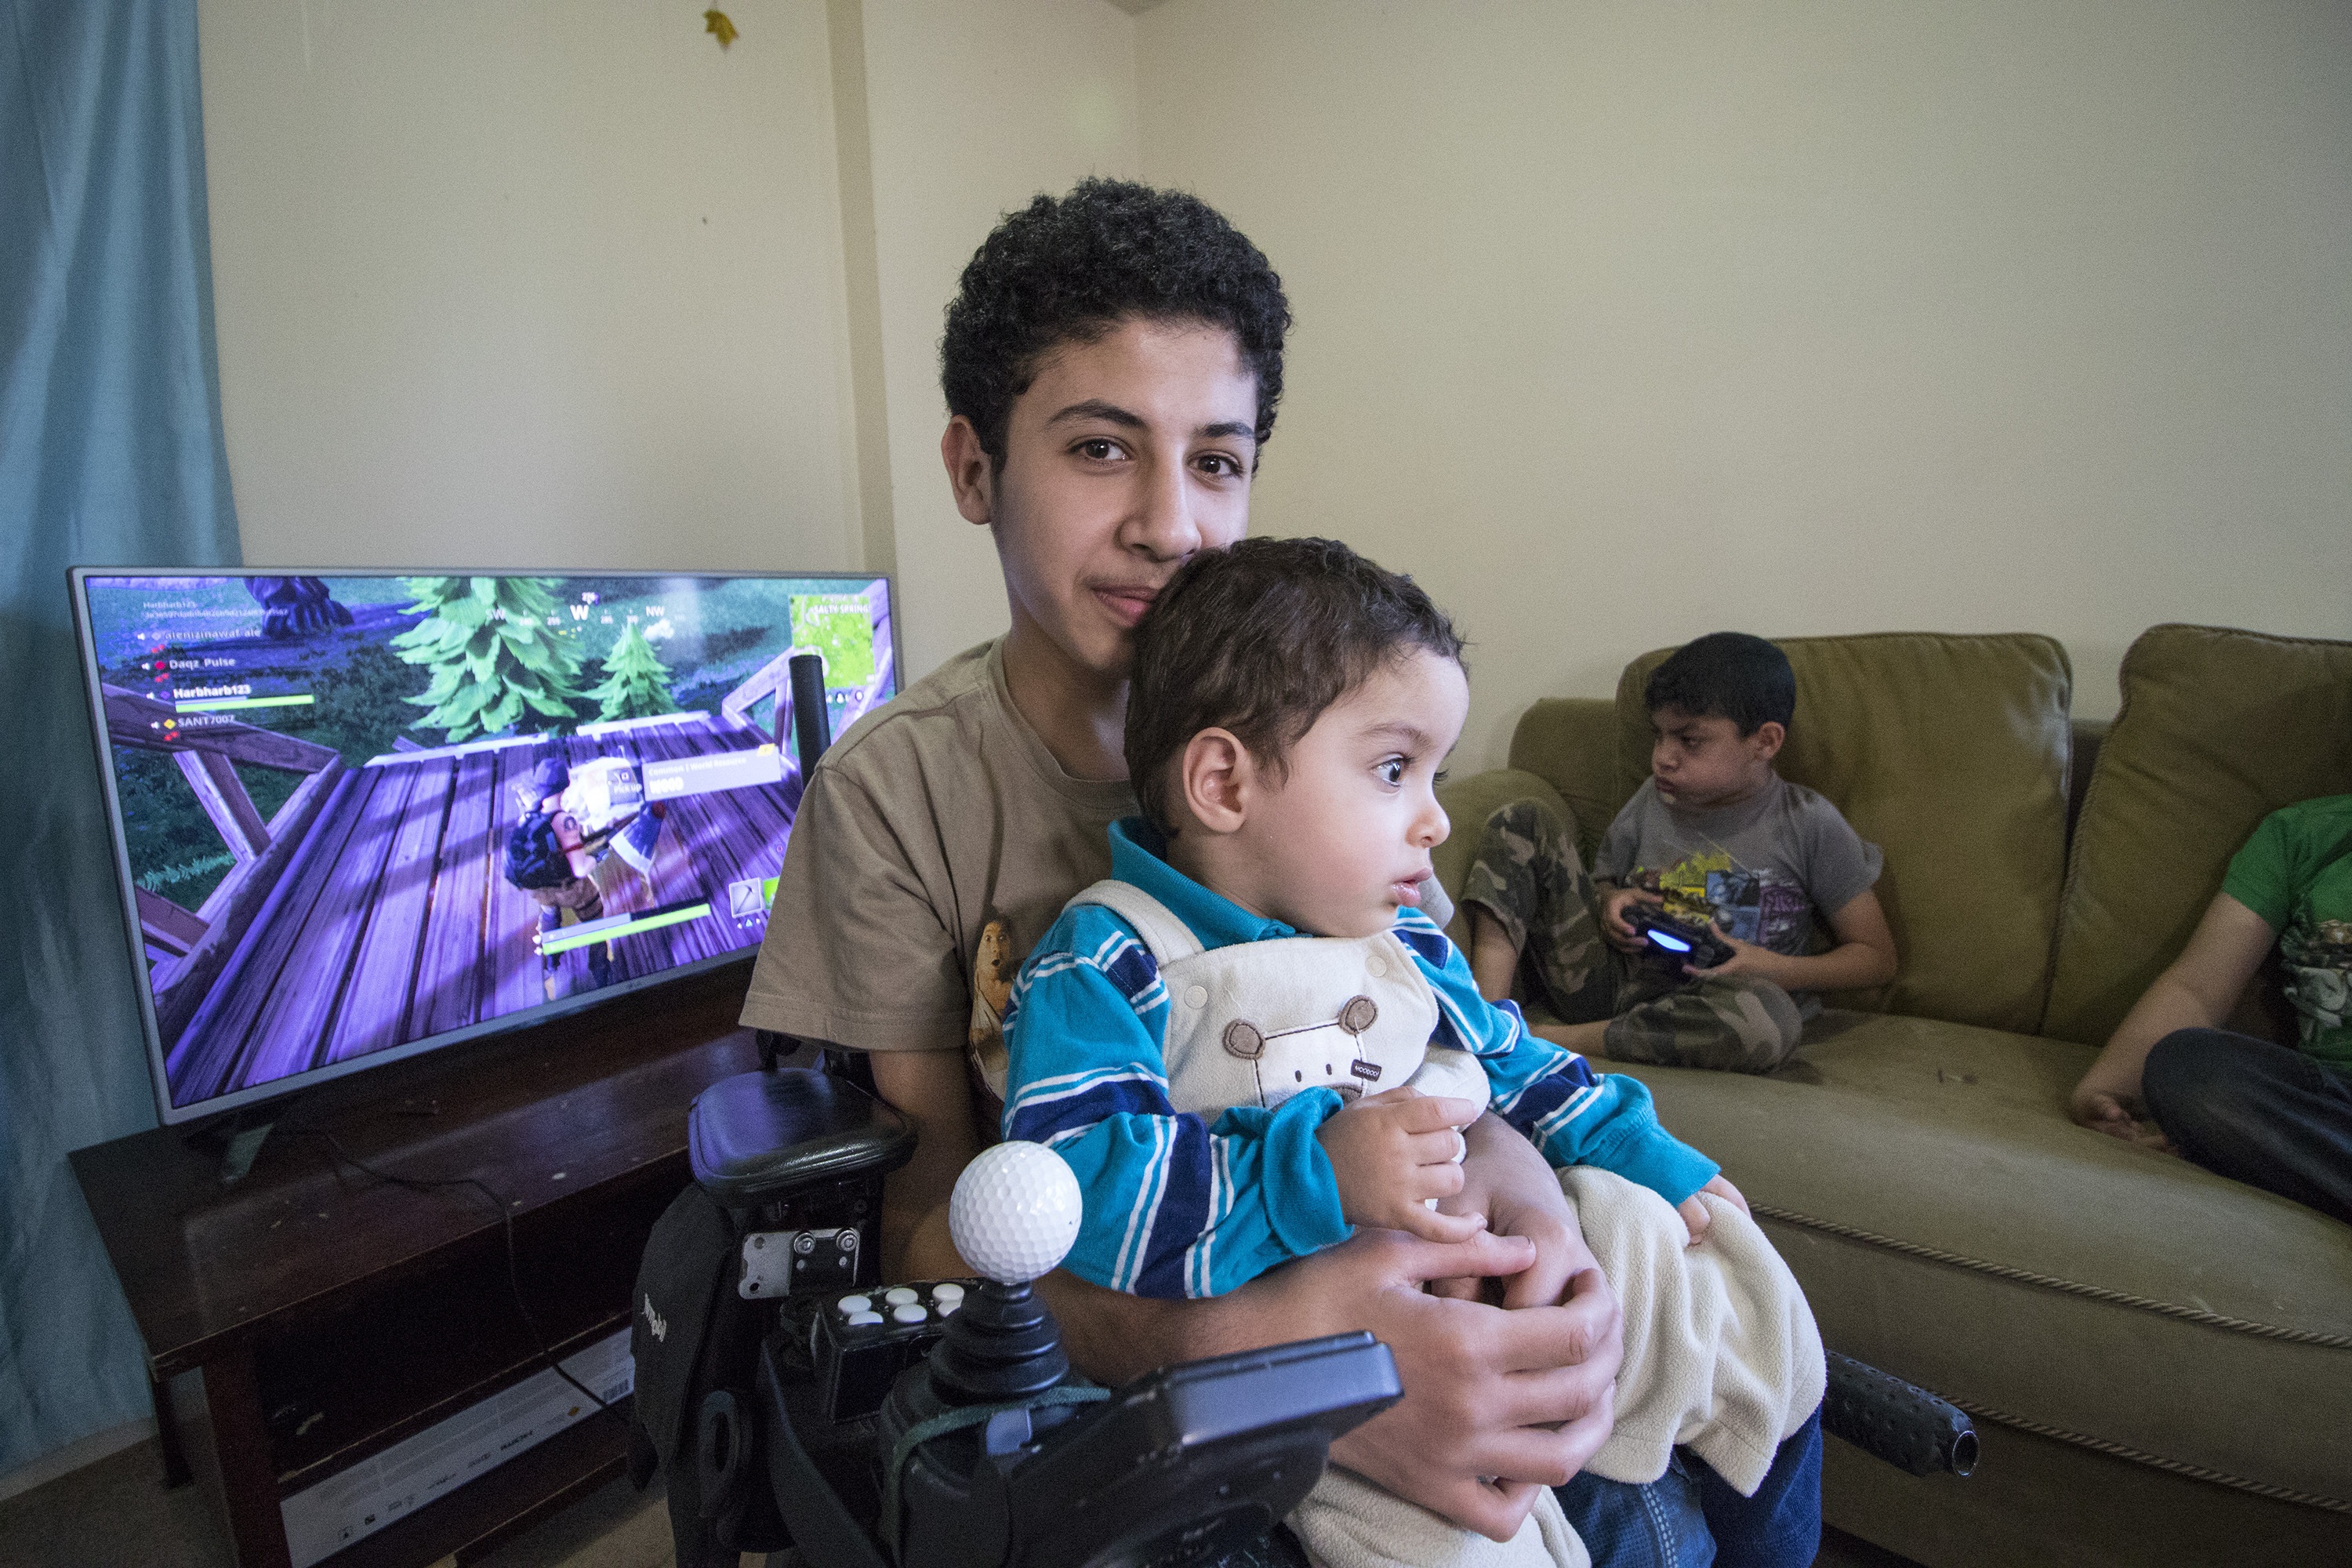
1177 1206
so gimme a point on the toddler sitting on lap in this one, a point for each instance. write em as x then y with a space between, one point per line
1250 1039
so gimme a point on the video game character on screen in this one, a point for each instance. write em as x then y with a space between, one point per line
580 834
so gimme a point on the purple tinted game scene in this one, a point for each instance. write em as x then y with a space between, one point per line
358 815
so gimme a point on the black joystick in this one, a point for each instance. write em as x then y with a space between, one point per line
1002 1345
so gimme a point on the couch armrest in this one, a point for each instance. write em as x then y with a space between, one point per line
1469 802
1572 743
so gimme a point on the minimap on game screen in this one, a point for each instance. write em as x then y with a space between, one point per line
362 812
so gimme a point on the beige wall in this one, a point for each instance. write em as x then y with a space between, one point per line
528 282
560 282
1620 323
974 110
1617 323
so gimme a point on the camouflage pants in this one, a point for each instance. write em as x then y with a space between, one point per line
1527 874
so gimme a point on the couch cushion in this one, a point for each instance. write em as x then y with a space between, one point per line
1571 743
1949 754
2218 729
1951 1225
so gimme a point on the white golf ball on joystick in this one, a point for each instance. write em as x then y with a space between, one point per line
1014 1212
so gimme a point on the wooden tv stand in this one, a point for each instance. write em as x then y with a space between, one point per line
310 1316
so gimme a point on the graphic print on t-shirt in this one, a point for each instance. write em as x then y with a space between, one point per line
1763 906
993 971
2317 955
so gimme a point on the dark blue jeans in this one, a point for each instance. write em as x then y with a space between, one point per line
1691 1518
2256 1111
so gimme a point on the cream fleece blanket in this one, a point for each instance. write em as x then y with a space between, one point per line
1721 1355
1348 1522
1721 1350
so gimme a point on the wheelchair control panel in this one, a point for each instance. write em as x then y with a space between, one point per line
938 1423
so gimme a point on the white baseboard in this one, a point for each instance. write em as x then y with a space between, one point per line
74 1456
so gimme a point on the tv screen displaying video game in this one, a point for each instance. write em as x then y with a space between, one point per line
360 815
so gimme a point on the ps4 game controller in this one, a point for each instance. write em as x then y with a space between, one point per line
1678 941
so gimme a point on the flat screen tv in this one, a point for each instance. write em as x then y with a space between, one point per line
360 816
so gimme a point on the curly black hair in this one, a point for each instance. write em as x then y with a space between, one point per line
1260 639
1071 269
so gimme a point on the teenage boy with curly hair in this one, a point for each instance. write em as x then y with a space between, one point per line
1112 364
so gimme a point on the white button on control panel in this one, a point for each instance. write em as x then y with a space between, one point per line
900 1306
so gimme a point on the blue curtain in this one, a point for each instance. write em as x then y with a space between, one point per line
110 453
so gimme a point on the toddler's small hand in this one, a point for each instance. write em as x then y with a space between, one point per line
1392 1153
1695 1219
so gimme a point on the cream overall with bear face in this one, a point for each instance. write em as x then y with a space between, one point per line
1257 1022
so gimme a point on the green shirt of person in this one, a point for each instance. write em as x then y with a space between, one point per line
2296 873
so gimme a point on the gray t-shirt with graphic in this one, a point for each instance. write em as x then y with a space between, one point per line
1763 866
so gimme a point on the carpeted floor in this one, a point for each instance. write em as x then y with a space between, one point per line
115 1513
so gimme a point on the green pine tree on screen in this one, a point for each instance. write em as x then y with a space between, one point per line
637 682
498 665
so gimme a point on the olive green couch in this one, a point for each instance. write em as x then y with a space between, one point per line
2158 1360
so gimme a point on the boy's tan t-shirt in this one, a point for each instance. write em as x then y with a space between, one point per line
936 841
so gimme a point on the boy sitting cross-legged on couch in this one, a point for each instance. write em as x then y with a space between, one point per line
1714 838
1250 1039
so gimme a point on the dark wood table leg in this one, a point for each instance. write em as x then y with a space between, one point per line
249 1479
167 1434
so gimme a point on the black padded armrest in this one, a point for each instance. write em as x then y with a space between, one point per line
757 1136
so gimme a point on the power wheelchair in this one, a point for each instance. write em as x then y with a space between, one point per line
791 1399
